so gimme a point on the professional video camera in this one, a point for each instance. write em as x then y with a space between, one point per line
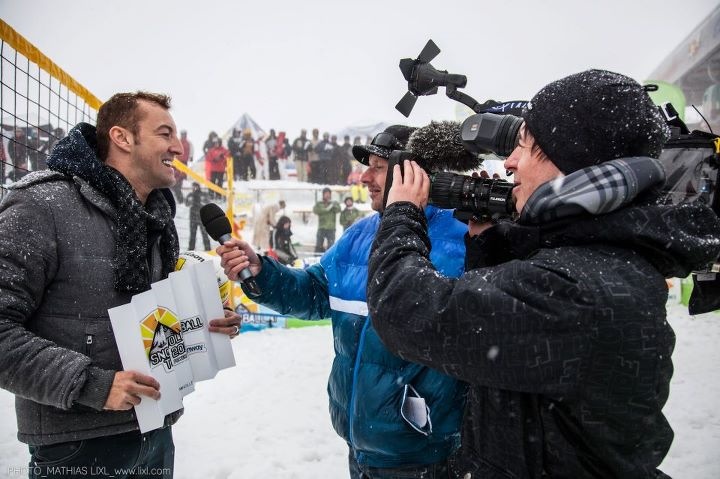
691 159
439 148
493 129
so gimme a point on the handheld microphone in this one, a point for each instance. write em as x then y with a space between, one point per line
218 227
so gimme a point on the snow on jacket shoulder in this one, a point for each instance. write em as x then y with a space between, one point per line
367 383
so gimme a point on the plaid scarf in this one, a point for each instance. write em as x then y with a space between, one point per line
75 155
615 204
596 190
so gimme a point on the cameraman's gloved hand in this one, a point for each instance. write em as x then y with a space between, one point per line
476 227
414 186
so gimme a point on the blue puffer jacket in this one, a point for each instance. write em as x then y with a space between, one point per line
372 391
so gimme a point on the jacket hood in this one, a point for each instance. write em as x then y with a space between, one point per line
675 239
77 147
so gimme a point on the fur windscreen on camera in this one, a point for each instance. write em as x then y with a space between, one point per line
438 146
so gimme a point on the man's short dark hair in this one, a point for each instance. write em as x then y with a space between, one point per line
122 110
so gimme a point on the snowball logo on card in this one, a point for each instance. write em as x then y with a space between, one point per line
194 323
162 338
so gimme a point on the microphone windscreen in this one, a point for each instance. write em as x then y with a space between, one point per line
438 146
214 220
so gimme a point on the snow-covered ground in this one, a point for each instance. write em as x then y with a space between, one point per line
268 416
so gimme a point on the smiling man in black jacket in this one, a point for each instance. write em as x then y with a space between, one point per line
75 240
559 323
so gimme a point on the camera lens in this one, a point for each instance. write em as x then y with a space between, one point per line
491 133
482 196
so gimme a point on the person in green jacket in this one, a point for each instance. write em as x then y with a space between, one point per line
327 211
350 214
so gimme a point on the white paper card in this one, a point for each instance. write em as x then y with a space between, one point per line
165 300
205 284
164 333
194 326
138 333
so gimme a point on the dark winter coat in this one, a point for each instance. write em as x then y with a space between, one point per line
234 146
325 150
57 349
195 200
559 327
283 245
300 148
367 382
345 161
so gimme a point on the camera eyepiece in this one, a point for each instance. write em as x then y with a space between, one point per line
491 133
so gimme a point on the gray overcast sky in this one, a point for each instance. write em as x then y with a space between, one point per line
331 64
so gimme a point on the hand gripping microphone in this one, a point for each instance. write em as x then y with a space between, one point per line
218 227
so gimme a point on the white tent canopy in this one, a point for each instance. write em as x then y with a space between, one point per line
246 121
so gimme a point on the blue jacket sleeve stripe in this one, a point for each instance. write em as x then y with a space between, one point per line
347 306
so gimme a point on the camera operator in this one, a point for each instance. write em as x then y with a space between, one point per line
559 322
399 419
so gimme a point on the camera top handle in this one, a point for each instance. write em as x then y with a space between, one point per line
423 79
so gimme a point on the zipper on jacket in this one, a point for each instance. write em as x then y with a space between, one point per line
88 343
351 412
152 245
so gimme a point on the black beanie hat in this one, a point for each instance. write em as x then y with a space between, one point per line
383 145
595 116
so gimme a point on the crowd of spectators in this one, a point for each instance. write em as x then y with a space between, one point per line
25 149
316 159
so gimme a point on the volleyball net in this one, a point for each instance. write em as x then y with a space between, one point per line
39 103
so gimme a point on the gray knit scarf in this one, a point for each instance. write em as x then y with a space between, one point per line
75 155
